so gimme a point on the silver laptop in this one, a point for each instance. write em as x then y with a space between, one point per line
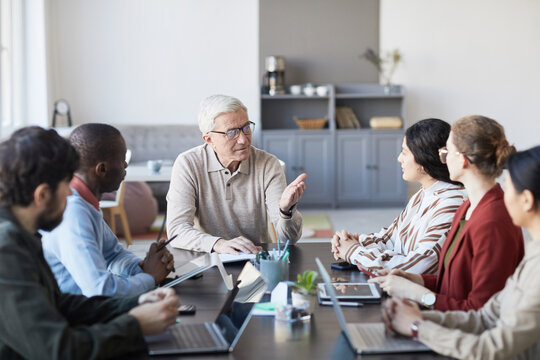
368 338
219 336
196 266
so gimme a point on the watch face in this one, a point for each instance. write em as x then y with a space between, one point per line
428 299
62 107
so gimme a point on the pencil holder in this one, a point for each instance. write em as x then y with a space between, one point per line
274 271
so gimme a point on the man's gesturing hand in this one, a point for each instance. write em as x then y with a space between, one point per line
292 193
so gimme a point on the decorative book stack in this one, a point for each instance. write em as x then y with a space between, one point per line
346 119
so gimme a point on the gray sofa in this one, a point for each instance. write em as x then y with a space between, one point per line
163 142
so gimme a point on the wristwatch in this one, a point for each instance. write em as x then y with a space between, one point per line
414 329
428 299
289 212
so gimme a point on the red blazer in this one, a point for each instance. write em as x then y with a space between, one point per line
486 253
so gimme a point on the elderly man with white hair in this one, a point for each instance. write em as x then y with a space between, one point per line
230 187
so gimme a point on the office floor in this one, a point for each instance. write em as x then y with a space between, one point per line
364 220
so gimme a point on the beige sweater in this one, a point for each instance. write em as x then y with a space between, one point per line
508 326
226 205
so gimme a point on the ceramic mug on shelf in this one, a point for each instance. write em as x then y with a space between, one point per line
322 90
309 89
295 89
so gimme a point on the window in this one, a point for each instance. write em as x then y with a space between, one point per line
10 64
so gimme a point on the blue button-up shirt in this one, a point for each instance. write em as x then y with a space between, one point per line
86 257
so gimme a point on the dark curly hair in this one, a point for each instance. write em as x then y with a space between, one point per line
30 157
424 139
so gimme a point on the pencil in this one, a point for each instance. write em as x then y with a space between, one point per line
160 247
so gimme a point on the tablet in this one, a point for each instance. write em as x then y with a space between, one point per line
352 291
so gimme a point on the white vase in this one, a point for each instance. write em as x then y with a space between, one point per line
302 301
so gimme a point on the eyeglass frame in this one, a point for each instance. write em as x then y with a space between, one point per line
444 150
250 125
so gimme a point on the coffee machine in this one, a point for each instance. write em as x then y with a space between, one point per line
274 79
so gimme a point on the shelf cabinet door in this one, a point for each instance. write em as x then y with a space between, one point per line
283 147
353 176
315 157
312 154
387 183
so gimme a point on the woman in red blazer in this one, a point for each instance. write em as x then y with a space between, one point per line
483 246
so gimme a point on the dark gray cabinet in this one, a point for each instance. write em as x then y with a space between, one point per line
367 169
311 153
345 167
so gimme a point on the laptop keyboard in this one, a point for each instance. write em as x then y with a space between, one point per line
372 336
192 336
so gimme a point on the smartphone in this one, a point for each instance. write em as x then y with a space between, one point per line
188 309
343 265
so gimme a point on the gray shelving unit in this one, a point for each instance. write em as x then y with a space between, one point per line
345 167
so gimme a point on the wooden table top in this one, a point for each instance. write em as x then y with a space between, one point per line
265 338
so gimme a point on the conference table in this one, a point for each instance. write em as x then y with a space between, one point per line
266 338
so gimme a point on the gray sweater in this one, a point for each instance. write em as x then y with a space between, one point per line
226 205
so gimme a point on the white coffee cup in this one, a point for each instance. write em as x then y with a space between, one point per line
322 90
309 90
154 165
295 89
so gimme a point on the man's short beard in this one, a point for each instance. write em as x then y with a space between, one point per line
47 224
46 221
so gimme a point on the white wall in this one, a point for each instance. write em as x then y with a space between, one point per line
35 64
469 57
146 61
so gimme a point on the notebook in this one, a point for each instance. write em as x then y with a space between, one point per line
368 338
219 336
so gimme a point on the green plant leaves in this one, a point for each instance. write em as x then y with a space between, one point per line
306 282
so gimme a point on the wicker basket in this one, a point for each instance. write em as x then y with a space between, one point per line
310 124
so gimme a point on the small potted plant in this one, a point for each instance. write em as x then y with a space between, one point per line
304 290
386 64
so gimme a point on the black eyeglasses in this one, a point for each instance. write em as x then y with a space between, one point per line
234 133
443 154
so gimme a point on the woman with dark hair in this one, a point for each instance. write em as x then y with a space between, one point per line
508 325
414 239
483 246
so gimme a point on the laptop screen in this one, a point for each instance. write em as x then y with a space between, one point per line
231 324
330 291
236 312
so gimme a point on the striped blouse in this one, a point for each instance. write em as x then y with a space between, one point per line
414 240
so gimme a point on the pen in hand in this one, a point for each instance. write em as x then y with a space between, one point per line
160 247
368 273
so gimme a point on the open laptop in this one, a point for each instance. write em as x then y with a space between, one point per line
219 336
368 338
198 265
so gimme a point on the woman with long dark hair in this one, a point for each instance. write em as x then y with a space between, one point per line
414 240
